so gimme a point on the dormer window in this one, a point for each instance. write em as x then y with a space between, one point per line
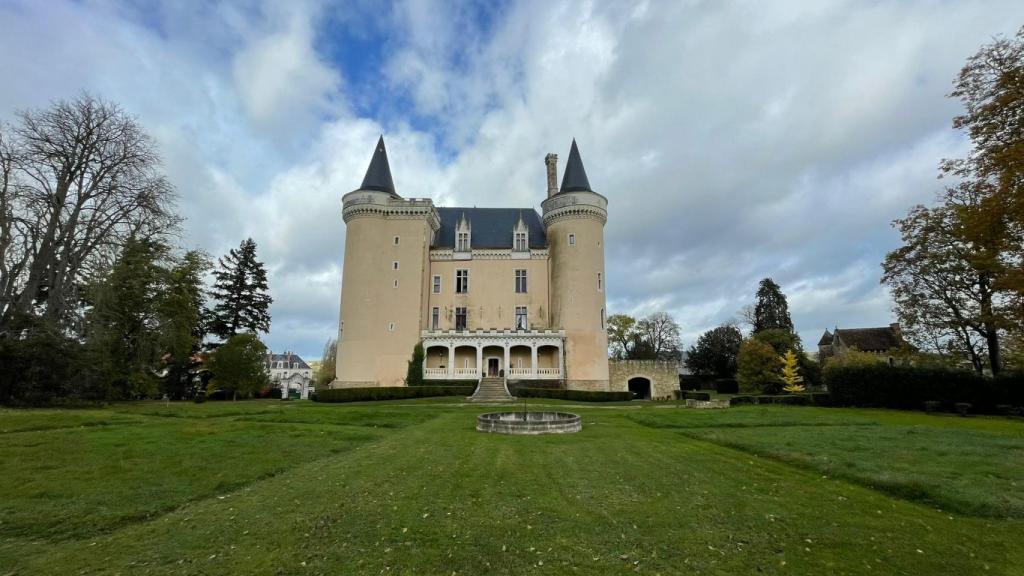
463 240
520 236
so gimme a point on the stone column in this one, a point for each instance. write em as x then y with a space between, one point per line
533 360
451 359
561 361
479 357
505 366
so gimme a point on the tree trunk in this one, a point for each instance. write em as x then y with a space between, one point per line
991 329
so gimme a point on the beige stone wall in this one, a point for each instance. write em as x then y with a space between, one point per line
492 298
381 321
664 376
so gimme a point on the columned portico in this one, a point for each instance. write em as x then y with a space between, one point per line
545 354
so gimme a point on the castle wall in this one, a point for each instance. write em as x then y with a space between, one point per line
492 299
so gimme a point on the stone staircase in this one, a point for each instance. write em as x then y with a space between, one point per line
491 390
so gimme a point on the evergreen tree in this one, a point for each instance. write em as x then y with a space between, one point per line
124 325
240 287
414 374
182 335
715 352
791 373
771 311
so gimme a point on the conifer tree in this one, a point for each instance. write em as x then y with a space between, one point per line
791 373
771 311
240 288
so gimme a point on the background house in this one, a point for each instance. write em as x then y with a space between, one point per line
881 341
291 374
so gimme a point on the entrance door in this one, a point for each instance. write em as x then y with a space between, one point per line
492 367
640 387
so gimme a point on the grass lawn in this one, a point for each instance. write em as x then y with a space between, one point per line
409 487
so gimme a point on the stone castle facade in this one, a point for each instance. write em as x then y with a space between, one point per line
497 292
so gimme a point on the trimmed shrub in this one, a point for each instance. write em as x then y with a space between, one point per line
727 386
932 406
909 387
962 408
696 382
738 400
391 393
575 395
704 396
515 386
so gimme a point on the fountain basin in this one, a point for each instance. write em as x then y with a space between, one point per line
529 423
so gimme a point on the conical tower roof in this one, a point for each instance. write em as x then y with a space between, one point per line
378 175
575 177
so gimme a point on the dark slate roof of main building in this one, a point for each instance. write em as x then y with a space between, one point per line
490 227
869 339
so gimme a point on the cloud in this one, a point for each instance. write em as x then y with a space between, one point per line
734 140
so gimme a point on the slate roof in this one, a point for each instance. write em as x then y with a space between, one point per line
575 177
290 358
869 339
826 339
378 175
490 227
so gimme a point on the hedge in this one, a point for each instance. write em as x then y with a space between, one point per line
909 387
514 386
390 393
704 396
805 399
576 395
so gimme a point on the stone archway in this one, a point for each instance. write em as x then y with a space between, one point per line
640 386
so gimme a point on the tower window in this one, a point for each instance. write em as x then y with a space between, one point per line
520 281
437 284
462 281
460 318
602 318
435 318
520 317
396 240
600 285
394 265
391 327
396 283
572 239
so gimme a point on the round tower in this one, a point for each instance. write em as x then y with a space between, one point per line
574 219
383 286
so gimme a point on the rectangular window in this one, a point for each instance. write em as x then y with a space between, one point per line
520 317
435 318
396 283
462 281
602 319
437 284
521 241
600 286
394 265
520 281
463 244
460 318
396 240
572 239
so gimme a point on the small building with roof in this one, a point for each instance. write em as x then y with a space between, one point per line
290 373
883 341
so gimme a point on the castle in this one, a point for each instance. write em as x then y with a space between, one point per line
497 292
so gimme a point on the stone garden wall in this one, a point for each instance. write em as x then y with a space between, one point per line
664 376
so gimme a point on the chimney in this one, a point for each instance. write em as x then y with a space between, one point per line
551 161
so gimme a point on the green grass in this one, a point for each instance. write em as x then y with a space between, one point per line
410 487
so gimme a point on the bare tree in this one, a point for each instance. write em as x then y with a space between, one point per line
660 333
79 178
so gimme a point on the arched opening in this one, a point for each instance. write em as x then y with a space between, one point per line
640 387
435 362
519 362
547 361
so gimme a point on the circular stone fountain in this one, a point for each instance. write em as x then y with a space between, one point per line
529 423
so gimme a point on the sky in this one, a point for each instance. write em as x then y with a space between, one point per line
734 140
